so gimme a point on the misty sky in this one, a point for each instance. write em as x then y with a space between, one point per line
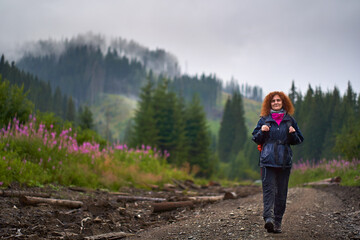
261 42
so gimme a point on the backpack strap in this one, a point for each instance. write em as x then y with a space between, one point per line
288 124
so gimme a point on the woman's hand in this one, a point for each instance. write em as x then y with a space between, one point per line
265 128
291 129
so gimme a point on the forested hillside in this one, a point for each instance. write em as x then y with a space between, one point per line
110 81
83 72
39 92
328 121
85 66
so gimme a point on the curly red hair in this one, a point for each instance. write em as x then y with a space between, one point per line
287 104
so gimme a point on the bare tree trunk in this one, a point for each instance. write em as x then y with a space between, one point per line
168 206
138 198
58 202
207 198
10 193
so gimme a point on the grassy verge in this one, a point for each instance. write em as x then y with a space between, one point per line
304 172
39 155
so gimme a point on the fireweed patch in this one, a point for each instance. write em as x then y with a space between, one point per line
307 171
34 154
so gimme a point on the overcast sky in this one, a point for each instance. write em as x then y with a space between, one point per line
261 42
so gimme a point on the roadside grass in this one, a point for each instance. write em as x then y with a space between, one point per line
34 154
304 172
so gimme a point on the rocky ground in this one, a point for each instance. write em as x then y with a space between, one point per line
330 212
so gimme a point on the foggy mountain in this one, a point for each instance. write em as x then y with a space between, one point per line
158 60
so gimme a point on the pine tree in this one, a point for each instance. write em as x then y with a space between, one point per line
197 137
70 111
169 122
57 103
86 118
180 153
293 93
144 127
226 133
238 124
348 139
233 132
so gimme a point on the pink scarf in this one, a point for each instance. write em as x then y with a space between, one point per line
277 117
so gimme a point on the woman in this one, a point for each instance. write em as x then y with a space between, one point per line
276 131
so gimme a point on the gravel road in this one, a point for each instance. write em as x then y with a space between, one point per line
331 212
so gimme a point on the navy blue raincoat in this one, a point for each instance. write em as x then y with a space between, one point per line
276 151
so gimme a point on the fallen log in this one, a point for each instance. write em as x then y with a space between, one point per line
327 181
230 195
206 199
119 193
191 184
11 193
138 198
111 236
78 189
168 206
26 200
182 186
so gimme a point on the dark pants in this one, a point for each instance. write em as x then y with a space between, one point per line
275 187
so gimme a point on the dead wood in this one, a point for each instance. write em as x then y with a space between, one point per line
11 193
206 199
78 189
327 181
180 184
169 187
138 198
119 193
111 236
191 184
26 200
230 195
168 206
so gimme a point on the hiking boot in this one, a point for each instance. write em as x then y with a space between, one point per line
269 225
277 228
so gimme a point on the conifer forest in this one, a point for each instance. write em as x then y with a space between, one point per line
196 121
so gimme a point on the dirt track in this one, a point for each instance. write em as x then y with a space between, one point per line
325 213
313 213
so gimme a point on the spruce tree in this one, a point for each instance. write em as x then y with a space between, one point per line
238 124
144 128
70 111
226 133
180 153
293 93
57 103
233 132
86 118
197 137
166 114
